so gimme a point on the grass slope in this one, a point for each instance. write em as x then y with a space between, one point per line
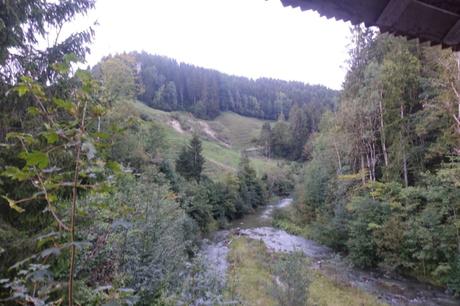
239 131
223 138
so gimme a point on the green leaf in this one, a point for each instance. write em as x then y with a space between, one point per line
42 240
16 173
52 197
13 205
71 58
64 104
21 89
26 79
102 188
373 226
114 166
83 75
98 110
27 138
61 68
35 158
101 135
51 137
51 185
50 251
32 110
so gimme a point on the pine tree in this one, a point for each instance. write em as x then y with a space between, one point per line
299 125
190 162
250 189
265 139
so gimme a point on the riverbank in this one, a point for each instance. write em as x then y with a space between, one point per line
395 288
244 258
252 279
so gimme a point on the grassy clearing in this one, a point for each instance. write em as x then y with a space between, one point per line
240 131
236 130
251 273
220 159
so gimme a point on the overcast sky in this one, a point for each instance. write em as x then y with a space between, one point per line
253 38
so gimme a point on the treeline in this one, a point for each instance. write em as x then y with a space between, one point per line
382 183
288 138
163 83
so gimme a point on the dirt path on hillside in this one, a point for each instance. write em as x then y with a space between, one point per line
211 133
176 126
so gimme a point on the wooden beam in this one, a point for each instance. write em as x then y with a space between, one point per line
392 12
436 8
453 36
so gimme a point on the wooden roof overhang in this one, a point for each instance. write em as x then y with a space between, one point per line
434 21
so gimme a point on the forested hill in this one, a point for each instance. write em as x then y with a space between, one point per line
163 83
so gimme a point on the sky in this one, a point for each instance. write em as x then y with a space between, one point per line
252 38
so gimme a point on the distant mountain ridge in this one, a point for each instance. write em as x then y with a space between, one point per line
172 86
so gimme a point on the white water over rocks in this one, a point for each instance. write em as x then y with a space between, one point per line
280 241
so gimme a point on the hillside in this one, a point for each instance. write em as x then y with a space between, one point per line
165 84
223 138
239 131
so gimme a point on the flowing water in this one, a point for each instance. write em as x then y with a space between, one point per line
390 288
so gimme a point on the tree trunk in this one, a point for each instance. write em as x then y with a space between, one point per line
406 180
373 158
73 211
339 160
363 172
457 118
382 134
368 159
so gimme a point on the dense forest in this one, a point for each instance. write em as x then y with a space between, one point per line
382 182
162 83
97 208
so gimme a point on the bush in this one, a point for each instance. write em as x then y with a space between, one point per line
368 215
290 285
141 240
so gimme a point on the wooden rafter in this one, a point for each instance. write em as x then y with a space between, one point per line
392 12
453 36
435 21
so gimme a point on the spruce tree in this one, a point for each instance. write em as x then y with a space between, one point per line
190 162
265 139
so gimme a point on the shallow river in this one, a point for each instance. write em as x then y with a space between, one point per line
392 289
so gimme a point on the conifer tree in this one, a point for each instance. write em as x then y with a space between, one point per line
265 139
190 162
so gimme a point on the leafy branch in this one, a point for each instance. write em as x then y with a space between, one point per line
67 111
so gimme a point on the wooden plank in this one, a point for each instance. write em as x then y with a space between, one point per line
453 37
392 12
437 21
450 6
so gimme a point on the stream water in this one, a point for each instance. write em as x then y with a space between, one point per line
390 288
